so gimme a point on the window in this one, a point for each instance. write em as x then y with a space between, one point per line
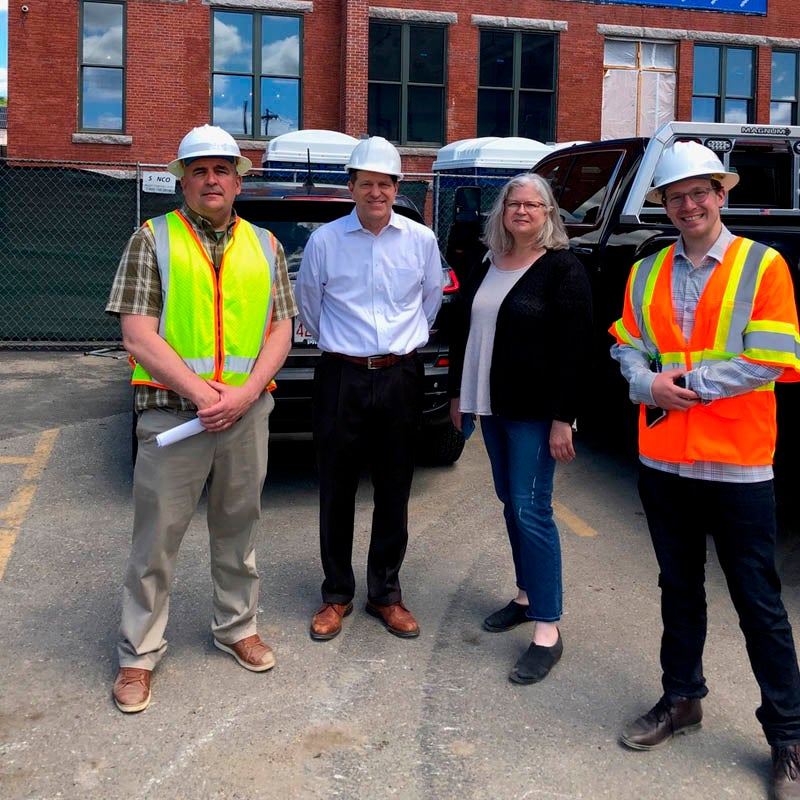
102 70
580 183
256 73
783 100
765 175
723 84
517 84
638 87
406 82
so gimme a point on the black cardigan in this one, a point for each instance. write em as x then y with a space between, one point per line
542 342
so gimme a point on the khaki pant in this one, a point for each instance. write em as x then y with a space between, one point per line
167 485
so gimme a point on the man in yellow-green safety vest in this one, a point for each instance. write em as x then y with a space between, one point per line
206 311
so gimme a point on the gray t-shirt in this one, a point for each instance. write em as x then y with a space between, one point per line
480 344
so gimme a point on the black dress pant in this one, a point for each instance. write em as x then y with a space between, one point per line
741 519
365 418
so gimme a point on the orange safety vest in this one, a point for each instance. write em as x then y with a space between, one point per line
747 309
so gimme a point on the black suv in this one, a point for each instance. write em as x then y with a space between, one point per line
292 213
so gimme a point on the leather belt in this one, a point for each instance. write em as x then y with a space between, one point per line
374 362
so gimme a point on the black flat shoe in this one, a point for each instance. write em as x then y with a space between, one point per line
506 618
536 662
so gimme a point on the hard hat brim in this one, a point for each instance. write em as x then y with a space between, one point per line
370 168
727 179
243 164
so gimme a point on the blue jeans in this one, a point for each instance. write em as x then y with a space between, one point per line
523 469
740 517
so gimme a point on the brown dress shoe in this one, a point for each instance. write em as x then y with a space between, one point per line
786 772
662 722
132 689
251 653
327 622
397 619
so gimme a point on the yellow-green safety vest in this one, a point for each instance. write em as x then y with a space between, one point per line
216 321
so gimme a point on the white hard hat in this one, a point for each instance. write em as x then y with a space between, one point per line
688 160
208 141
376 155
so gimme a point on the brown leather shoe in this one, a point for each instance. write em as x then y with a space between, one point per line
250 652
327 622
662 722
397 619
132 689
786 772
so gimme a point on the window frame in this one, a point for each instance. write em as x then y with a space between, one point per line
795 104
83 65
516 78
722 79
404 82
256 74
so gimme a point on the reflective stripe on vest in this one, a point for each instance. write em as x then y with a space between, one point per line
216 321
737 430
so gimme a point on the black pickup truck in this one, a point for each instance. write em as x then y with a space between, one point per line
600 188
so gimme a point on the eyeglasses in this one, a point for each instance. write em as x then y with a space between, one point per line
697 196
516 205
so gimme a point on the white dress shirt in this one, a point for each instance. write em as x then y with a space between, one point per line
363 294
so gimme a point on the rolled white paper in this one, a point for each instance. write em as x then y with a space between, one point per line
182 431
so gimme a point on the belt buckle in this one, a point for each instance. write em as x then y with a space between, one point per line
375 359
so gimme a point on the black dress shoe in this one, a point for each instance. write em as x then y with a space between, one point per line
506 618
786 772
536 662
663 721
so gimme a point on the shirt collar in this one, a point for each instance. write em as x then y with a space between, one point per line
201 223
354 223
716 251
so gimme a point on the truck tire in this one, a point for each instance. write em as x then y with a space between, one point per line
440 446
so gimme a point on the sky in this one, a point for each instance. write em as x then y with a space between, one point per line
3 48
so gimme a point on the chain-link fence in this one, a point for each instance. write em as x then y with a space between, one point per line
62 231
63 228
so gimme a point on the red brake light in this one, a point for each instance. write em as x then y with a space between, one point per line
450 281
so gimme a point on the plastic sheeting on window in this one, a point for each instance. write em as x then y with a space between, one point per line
636 103
620 53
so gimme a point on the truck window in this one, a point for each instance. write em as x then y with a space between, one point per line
555 173
581 189
765 175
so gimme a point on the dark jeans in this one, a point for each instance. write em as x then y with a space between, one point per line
365 418
741 519
523 470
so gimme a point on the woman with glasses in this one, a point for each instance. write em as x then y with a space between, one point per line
518 362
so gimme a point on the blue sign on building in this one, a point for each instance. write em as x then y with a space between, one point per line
736 6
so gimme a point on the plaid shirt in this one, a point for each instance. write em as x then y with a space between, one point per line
137 290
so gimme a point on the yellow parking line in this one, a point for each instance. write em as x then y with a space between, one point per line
13 515
573 520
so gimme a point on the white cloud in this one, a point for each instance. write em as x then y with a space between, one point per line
104 48
228 45
3 5
282 57
3 80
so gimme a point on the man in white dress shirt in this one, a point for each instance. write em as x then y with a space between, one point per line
368 289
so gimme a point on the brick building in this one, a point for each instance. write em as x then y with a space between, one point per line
120 82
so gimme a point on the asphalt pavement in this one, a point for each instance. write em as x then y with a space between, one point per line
366 716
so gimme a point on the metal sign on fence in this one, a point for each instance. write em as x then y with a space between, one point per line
158 182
